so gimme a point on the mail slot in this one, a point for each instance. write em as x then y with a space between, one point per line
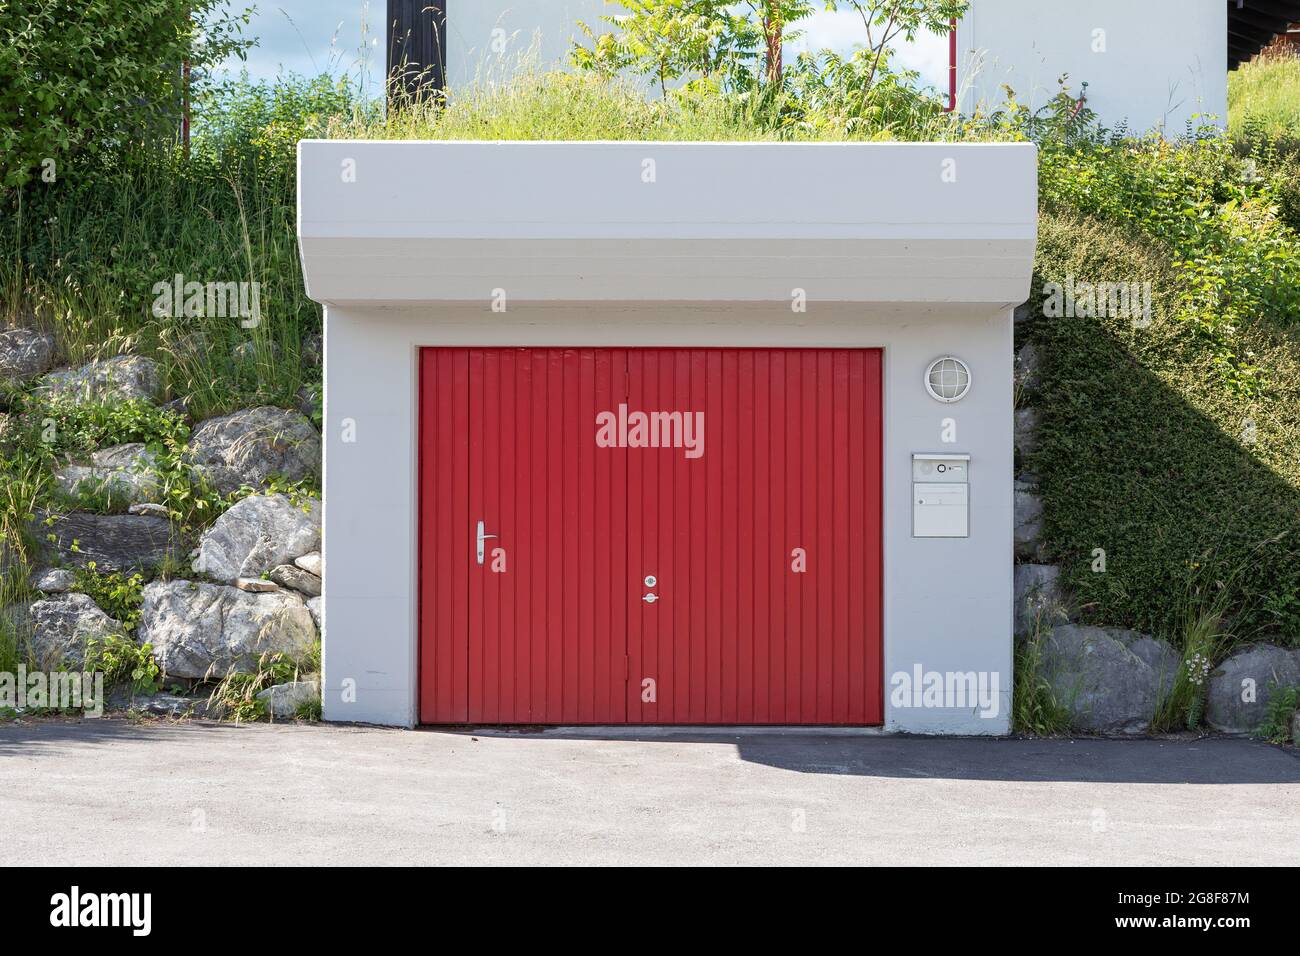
940 496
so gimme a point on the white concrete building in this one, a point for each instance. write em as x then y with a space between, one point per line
607 441
1153 64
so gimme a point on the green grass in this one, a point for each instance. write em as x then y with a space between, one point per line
1190 486
1264 97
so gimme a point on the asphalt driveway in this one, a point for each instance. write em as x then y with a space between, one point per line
158 793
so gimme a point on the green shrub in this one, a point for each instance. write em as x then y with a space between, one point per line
1147 454
1282 707
79 81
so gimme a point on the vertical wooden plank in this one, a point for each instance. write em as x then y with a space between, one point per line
698 639
818 559
726 452
540 570
794 492
874 516
555 527
571 592
474 499
619 516
583 370
747 568
469 601
489 433
520 558
507 530
859 540
839 520
767 547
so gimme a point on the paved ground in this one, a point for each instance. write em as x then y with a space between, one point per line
115 792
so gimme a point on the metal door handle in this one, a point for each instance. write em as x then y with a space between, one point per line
480 537
650 598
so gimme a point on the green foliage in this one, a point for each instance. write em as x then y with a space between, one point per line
1282 707
123 661
118 593
1034 707
79 81
235 696
1215 218
1146 453
1264 99
721 49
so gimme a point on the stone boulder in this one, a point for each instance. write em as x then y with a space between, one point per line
62 624
1241 687
284 700
312 563
1026 432
126 473
1105 685
209 630
256 535
53 580
249 446
116 379
315 605
292 576
1028 517
112 542
24 354
1028 366
1039 601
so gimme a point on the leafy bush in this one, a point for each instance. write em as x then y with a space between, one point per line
1189 485
118 593
88 78
1282 707
122 661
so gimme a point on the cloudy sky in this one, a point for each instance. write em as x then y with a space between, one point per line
338 36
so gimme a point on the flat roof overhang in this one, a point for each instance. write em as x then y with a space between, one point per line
405 222
1254 24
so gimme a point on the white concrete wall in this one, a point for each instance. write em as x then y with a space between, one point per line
1164 60
486 39
947 601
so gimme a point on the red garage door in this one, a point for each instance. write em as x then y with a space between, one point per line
674 536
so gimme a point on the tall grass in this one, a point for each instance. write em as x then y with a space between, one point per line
1264 97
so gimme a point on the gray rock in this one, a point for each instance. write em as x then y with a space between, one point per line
119 378
127 473
1105 687
292 576
1241 687
283 700
1028 366
1040 603
309 399
1158 655
24 354
256 585
62 624
1026 432
112 542
315 606
149 508
1023 313
255 535
170 705
1028 521
312 563
209 630
312 349
249 446
53 580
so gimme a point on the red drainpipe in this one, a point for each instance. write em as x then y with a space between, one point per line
952 66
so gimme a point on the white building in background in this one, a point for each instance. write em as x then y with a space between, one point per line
490 39
1149 64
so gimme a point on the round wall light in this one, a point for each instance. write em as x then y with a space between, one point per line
947 379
